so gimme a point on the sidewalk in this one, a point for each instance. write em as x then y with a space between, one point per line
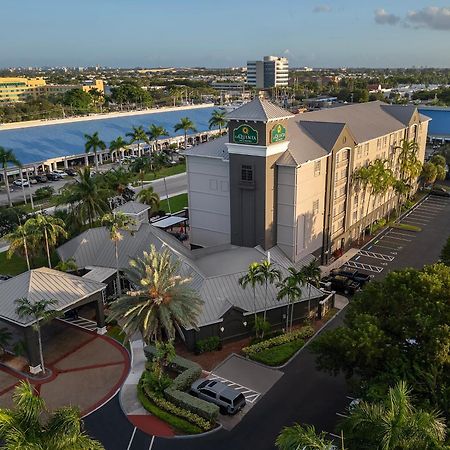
349 254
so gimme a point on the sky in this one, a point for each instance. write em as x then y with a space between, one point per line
225 33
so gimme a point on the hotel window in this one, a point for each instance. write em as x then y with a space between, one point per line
246 173
358 152
384 141
366 149
315 207
355 216
356 200
317 168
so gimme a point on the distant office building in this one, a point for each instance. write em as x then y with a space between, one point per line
272 71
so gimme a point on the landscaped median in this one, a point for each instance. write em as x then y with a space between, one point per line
169 399
279 349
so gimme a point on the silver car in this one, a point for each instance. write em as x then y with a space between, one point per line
228 399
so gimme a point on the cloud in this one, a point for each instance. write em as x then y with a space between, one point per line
382 17
322 9
287 52
431 17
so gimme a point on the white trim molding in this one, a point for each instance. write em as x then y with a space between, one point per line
257 150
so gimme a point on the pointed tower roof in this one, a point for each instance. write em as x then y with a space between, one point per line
259 110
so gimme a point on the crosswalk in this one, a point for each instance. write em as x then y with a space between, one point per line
368 267
375 255
81 322
250 395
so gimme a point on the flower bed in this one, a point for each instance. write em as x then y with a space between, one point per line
276 356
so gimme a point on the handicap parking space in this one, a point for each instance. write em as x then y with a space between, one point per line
253 380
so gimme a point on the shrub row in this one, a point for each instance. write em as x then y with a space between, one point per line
168 406
175 421
209 344
302 333
204 409
184 380
278 355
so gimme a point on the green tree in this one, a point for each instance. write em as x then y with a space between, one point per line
429 173
5 338
115 223
19 241
218 119
87 198
311 273
117 145
360 180
69 265
155 132
445 253
401 188
290 288
149 197
394 424
252 278
438 160
129 93
48 229
116 180
78 100
300 437
162 301
268 275
30 426
138 135
40 311
94 143
409 165
7 158
186 125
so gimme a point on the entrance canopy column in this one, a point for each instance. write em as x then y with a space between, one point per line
100 314
32 345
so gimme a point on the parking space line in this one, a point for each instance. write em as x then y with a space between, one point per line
151 443
391 247
416 219
359 265
131 439
375 255
399 233
431 208
400 239
250 394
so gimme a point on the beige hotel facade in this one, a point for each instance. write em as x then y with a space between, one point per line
283 182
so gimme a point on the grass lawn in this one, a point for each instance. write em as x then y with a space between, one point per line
18 264
177 203
164 172
278 355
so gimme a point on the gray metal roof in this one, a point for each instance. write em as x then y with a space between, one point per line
132 207
259 110
99 274
44 284
215 148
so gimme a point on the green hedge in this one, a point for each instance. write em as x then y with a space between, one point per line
208 344
174 421
204 409
275 356
302 333
184 380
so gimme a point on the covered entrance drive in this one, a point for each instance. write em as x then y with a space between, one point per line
68 292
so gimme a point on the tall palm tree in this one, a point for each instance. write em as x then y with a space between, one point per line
186 125
18 241
7 157
394 424
94 143
311 273
361 182
161 301
300 437
218 119
289 287
40 311
117 145
252 278
268 274
155 132
149 197
29 425
138 135
407 158
87 198
48 229
401 188
115 223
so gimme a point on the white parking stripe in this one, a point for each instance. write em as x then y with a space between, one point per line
151 443
131 440
399 239
359 265
250 395
375 255
399 233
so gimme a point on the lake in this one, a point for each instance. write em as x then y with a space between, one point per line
39 143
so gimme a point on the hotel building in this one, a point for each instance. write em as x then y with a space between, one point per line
283 182
272 71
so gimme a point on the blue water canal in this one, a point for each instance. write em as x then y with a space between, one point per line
42 142
440 121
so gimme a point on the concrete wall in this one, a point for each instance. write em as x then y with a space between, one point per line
209 201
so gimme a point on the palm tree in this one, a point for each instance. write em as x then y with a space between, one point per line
149 197
155 132
311 273
18 241
69 265
94 143
300 437
30 425
186 125
288 287
361 181
401 188
218 119
138 135
5 338
48 229
115 223
394 424
87 198
268 274
38 311
252 278
7 157
161 302
117 145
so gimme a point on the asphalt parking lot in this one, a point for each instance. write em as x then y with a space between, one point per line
396 248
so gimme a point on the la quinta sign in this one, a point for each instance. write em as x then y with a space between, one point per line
278 133
245 134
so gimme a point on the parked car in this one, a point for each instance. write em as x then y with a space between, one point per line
53 177
41 178
61 173
342 284
353 274
229 400
71 172
440 190
19 183
33 180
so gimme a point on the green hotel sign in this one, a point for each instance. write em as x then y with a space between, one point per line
278 133
245 134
